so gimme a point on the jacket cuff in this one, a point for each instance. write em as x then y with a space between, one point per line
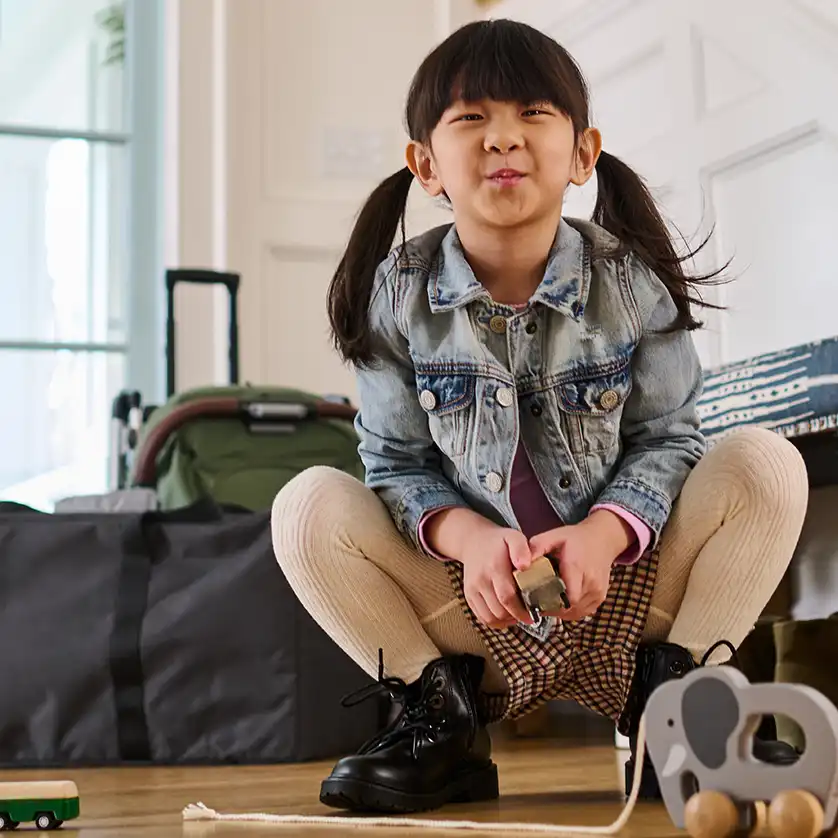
642 501
423 541
413 505
642 533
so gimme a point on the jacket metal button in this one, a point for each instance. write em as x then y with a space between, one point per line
494 482
505 397
531 328
498 324
427 399
536 409
564 483
609 399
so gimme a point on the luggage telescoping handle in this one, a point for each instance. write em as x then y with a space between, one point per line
197 276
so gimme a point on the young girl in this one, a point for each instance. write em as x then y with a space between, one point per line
528 386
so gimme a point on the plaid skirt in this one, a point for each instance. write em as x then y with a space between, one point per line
591 662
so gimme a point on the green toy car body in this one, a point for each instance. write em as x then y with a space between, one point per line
46 803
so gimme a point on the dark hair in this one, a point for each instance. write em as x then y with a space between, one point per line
509 61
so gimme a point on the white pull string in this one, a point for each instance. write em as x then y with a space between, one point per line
200 812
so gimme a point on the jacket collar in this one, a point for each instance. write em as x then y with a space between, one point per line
565 285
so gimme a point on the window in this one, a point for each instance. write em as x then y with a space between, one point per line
67 238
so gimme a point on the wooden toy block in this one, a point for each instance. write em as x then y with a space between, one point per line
541 587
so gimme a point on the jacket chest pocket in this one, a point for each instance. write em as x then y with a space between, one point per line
595 402
448 401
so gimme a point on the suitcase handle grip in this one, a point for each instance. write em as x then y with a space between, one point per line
220 407
199 276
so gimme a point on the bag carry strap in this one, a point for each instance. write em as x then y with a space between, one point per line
125 659
126 668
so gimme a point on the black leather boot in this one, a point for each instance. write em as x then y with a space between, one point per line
435 751
658 663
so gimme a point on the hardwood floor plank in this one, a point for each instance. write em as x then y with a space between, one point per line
542 781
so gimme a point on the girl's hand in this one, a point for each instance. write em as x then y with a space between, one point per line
489 558
585 553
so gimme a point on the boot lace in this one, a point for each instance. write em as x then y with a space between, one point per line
415 719
706 656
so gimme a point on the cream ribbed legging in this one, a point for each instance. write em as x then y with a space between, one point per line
723 553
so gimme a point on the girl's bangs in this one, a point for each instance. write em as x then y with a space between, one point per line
499 64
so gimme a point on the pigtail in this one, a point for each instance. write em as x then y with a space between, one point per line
369 244
626 208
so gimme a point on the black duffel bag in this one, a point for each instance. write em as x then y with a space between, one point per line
162 637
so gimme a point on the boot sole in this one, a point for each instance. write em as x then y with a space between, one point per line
360 796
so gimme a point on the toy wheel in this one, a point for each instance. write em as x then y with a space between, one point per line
759 821
46 820
795 814
711 814
753 818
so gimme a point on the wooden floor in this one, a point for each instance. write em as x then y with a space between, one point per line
542 780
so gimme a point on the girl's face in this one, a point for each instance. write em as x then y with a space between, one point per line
504 164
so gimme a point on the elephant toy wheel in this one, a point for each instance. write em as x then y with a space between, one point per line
760 818
711 814
795 814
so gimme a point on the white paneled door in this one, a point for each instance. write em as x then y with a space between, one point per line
314 123
730 111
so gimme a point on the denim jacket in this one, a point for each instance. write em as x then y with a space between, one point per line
603 400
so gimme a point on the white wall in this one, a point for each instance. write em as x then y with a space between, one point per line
728 109
288 114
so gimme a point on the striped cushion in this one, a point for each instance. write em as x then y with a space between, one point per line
792 391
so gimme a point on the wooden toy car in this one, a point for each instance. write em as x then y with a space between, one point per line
542 589
46 803
699 733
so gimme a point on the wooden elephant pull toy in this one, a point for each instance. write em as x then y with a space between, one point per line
699 731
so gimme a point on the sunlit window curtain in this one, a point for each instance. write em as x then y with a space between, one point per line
64 155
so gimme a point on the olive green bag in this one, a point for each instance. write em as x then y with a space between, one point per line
239 445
